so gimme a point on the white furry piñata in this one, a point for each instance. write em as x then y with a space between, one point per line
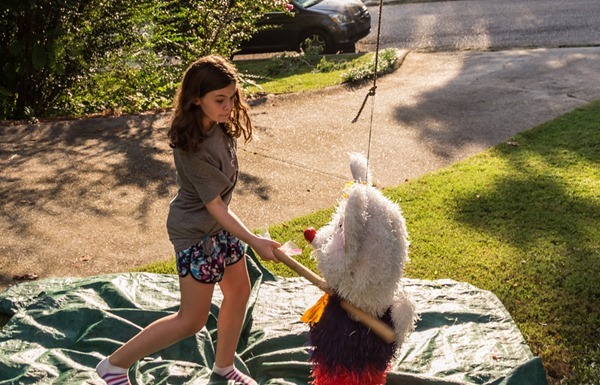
361 253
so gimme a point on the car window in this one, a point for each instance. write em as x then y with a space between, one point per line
307 3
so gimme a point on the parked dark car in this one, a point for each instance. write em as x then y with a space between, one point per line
335 25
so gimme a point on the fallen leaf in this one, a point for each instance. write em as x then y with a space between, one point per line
26 277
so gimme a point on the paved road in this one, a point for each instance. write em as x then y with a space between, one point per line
487 25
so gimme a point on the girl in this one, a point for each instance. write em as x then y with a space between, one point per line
209 115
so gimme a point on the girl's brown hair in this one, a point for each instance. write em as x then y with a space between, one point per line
207 74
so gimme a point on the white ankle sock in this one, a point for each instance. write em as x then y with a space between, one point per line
232 373
111 374
223 371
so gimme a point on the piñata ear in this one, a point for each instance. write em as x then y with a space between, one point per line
359 168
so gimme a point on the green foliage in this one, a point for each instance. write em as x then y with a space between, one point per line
125 83
161 267
310 58
285 63
56 54
386 63
325 65
47 46
194 28
286 72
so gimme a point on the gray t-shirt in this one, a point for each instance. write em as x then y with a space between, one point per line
202 175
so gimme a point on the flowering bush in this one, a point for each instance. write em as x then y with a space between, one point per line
387 61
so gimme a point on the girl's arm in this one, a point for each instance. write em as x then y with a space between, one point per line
230 222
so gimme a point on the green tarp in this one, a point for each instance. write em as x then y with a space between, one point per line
61 328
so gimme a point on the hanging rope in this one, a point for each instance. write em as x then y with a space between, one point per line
374 87
371 91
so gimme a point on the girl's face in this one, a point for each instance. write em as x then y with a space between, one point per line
217 105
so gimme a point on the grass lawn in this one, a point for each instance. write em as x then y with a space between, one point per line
288 73
522 220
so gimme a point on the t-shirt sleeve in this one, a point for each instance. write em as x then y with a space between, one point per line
206 177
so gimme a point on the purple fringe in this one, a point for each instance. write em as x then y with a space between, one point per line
338 340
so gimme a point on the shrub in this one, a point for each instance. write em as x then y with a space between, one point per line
56 53
386 63
46 46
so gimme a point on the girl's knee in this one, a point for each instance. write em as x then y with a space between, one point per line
240 294
244 290
188 326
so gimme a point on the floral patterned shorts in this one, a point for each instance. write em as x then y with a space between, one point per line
207 259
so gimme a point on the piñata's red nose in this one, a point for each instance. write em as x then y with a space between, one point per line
309 234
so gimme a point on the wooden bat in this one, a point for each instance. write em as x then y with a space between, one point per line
380 328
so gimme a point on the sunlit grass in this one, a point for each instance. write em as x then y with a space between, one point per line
287 74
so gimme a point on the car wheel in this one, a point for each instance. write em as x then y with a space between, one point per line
317 38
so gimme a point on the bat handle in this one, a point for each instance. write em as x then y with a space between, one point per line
302 270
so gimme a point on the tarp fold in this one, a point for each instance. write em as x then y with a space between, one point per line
61 328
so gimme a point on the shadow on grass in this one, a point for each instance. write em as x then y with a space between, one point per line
546 206
548 198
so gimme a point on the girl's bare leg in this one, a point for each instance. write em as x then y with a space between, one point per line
236 291
192 316
235 286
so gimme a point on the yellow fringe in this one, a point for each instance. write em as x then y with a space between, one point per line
314 313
